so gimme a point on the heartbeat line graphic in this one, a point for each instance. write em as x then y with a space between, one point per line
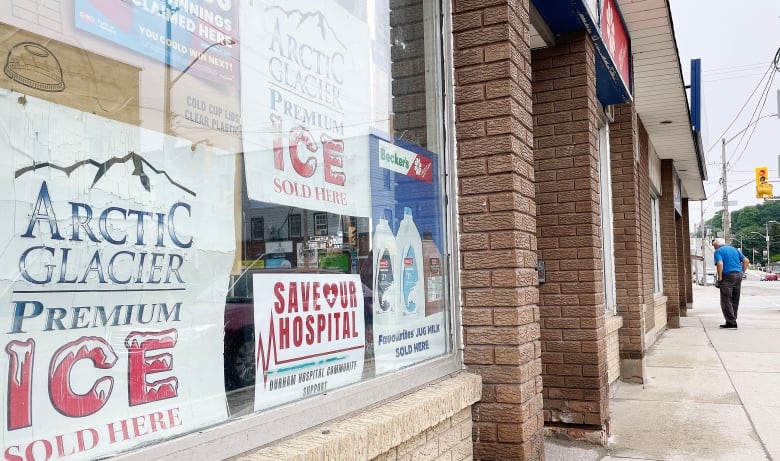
263 359
103 167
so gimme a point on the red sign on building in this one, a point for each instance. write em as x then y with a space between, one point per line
616 39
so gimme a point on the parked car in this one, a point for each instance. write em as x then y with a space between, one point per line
768 276
708 280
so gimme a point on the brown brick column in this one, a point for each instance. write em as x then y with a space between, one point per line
571 303
681 267
686 238
671 228
497 225
629 260
646 230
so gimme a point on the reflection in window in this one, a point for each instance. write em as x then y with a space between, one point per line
351 168
294 225
320 224
299 127
258 231
657 255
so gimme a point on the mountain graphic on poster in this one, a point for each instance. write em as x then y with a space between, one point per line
322 22
103 167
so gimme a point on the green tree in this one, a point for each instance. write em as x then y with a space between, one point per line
749 224
746 217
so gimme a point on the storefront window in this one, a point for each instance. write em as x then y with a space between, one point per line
607 218
658 285
214 208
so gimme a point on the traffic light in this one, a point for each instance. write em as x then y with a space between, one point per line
763 186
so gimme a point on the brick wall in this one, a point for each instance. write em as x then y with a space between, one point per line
629 261
646 229
613 325
670 224
449 440
407 34
571 303
496 208
433 422
660 320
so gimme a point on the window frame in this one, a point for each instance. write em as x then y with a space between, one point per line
257 229
294 221
319 219
655 233
235 436
607 216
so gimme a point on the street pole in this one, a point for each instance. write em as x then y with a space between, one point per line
767 244
703 255
767 247
725 217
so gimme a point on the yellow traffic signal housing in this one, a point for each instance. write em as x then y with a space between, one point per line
763 186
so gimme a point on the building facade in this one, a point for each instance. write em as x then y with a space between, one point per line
392 229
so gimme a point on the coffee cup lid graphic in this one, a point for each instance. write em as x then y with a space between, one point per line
35 66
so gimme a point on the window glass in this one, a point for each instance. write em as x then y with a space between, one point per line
607 220
257 232
656 231
214 208
294 225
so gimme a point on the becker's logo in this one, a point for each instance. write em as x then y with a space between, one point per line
102 168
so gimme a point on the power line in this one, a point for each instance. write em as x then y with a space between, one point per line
759 108
718 69
769 68
730 78
762 102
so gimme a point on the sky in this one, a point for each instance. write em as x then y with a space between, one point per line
737 43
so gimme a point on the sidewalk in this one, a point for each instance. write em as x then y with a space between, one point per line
711 394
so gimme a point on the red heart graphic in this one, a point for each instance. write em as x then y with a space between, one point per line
330 291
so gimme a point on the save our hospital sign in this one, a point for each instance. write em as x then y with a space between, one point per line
310 334
306 105
112 280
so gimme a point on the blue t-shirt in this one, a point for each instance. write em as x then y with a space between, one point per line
731 257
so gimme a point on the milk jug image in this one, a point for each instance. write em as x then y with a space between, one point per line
385 267
411 270
434 280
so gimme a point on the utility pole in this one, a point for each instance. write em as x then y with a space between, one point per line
725 217
703 255
724 168
767 243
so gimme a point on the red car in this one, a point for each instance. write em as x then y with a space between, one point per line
768 276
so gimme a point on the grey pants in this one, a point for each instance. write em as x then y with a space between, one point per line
730 287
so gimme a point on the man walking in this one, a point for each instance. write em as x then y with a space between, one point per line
731 263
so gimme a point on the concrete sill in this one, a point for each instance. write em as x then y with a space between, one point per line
381 428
